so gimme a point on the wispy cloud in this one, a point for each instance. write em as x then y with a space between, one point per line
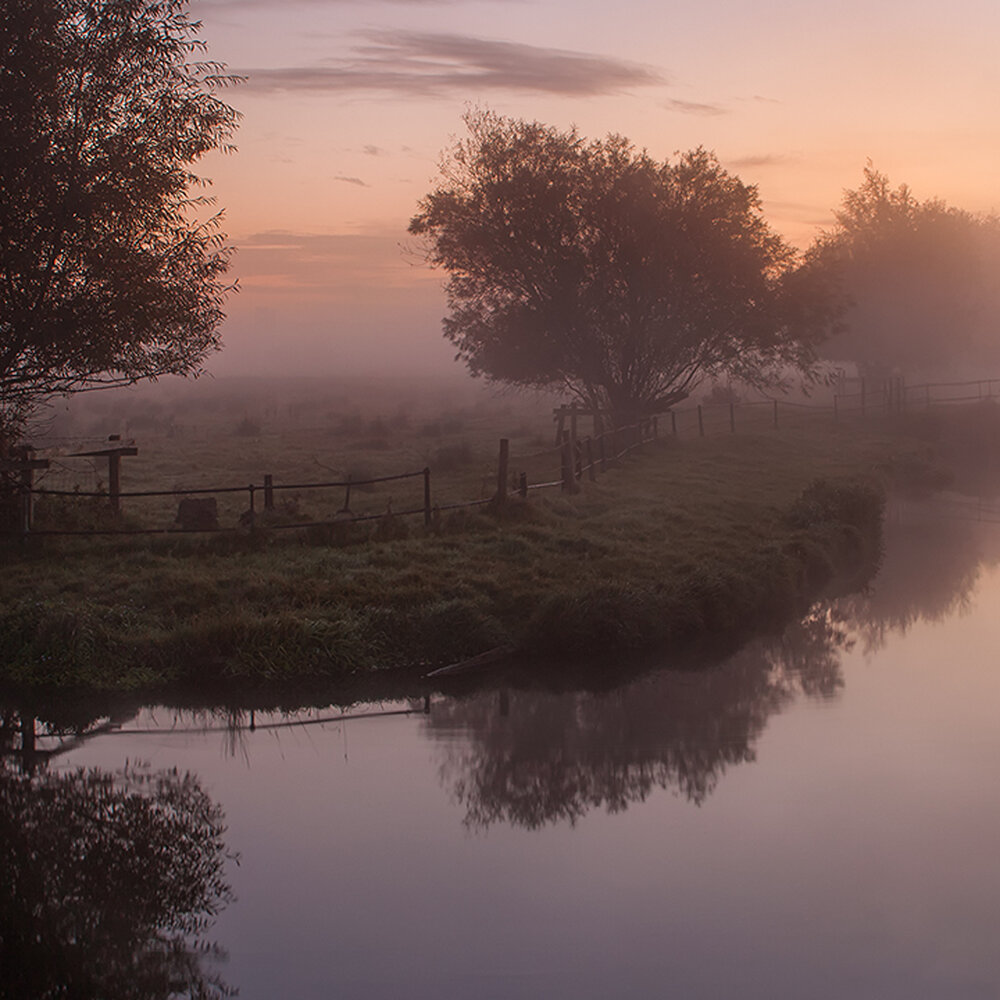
352 180
371 150
762 160
326 264
416 64
697 108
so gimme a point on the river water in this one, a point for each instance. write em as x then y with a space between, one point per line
817 817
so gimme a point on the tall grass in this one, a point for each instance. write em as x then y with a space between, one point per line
720 535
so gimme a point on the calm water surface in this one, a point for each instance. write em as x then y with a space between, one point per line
819 817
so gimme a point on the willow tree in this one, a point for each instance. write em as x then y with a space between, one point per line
112 262
591 267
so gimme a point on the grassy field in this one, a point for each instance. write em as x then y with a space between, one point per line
687 538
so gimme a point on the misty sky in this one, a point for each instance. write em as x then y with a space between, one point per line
349 104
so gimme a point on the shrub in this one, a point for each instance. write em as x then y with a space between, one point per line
248 427
852 502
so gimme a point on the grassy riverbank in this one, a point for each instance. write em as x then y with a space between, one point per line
709 537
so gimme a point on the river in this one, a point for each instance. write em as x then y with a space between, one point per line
816 817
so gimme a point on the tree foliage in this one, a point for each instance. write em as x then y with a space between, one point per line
919 279
107 273
590 266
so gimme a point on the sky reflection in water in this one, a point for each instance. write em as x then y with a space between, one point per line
816 818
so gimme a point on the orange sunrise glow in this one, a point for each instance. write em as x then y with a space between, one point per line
348 105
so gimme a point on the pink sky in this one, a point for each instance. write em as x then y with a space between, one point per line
350 102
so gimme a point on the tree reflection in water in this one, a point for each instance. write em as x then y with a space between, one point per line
540 757
935 563
109 880
530 757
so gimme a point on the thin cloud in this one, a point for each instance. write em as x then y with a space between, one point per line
370 150
696 108
352 180
762 160
315 263
417 64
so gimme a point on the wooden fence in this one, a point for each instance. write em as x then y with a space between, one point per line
856 398
562 467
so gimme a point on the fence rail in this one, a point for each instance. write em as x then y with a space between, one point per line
534 472
575 457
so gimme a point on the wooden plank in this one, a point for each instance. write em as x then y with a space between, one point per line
106 452
474 663
21 464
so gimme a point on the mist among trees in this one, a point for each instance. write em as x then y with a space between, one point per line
918 280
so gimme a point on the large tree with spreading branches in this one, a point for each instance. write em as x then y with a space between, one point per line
112 261
591 267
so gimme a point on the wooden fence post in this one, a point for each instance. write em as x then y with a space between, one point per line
27 497
27 485
268 491
114 456
427 496
568 473
603 451
523 486
115 481
22 462
502 461
591 471
574 445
